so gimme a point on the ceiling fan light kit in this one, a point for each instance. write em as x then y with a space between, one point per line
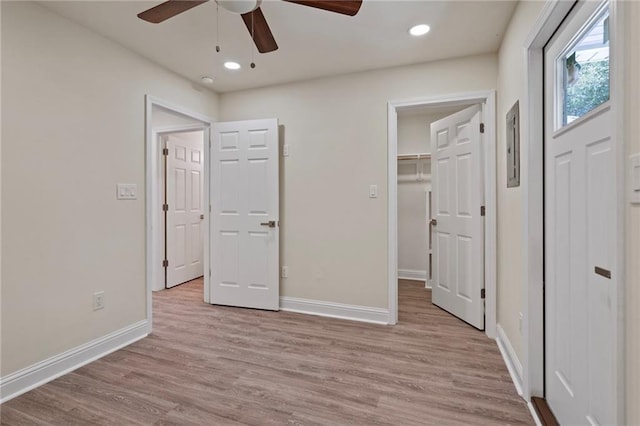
251 14
239 6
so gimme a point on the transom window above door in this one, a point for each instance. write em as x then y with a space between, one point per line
583 71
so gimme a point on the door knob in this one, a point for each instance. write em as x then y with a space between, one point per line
433 222
270 224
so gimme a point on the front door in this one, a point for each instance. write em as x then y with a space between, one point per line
458 225
580 221
244 216
184 207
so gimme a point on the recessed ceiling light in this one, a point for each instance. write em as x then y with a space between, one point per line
207 80
232 65
418 30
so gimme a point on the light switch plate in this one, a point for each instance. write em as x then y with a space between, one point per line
126 191
634 179
285 150
373 191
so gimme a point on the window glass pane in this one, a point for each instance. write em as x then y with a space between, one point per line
586 71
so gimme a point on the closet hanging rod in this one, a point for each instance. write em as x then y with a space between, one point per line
414 157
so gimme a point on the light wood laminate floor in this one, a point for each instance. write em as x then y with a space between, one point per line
210 365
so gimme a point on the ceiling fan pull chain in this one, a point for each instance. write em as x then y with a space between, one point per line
253 39
217 27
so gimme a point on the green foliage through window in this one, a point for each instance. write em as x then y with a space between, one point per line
589 91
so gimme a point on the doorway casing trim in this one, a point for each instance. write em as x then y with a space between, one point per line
550 18
151 148
157 254
488 98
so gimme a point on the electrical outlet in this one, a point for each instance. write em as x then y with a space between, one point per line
98 300
285 272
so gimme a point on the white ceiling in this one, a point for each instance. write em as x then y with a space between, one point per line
313 43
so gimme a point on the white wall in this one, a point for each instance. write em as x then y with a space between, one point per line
0 202
333 236
511 88
414 132
73 126
412 225
632 226
163 118
413 137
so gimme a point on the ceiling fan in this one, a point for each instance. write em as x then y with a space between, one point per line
251 14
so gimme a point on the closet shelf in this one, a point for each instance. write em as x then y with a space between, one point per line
422 156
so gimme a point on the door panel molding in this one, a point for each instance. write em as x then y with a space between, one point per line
185 206
244 235
457 183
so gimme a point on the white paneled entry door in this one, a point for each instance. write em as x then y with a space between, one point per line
457 224
184 153
244 217
580 222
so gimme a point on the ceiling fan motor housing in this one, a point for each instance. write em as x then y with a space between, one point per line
239 6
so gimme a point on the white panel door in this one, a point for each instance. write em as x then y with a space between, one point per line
458 230
184 200
580 223
244 220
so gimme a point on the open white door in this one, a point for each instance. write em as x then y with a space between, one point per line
184 207
244 214
458 225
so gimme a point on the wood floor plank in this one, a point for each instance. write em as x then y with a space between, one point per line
218 365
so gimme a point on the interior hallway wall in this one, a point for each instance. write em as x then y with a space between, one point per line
511 88
413 137
333 236
73 115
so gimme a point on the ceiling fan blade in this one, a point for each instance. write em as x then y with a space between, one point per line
260 31
168 9
345 7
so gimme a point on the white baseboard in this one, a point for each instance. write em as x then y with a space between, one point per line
38 374
534 414
510 358
335 310
410 274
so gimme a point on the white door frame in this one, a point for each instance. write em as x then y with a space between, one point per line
153 220
550 18
490 246
157 185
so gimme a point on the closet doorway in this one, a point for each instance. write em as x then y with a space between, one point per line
420 249
415 238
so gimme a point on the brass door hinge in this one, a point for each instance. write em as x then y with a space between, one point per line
165 207
482 294
165 151
481 127
165 263
482 211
